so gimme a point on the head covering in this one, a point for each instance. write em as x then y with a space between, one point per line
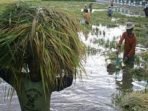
129 25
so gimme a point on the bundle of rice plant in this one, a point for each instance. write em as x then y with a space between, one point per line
136 101
48 36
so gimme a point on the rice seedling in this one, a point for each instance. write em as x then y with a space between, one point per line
46 36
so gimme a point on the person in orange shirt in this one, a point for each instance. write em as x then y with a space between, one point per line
129 44
86 16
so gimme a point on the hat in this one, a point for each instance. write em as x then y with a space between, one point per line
129 25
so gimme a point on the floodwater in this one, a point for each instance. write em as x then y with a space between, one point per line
95 92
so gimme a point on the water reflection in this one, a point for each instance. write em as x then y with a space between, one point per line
125 85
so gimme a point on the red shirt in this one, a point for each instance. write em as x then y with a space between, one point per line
129 45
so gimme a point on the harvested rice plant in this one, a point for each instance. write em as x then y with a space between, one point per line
49 37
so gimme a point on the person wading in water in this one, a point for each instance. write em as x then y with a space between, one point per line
129 45
31 94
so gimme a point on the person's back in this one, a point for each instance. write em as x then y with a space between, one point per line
32 96
31 93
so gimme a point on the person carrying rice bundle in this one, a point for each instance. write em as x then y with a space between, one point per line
40 53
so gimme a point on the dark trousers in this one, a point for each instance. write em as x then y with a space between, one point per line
130 62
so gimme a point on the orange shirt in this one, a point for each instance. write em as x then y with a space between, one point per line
87 16
129 45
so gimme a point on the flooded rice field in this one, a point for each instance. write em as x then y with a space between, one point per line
97 90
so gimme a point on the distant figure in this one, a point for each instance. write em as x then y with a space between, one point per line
146 10
90 7
86 16
110 12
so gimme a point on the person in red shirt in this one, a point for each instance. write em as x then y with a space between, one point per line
129 44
